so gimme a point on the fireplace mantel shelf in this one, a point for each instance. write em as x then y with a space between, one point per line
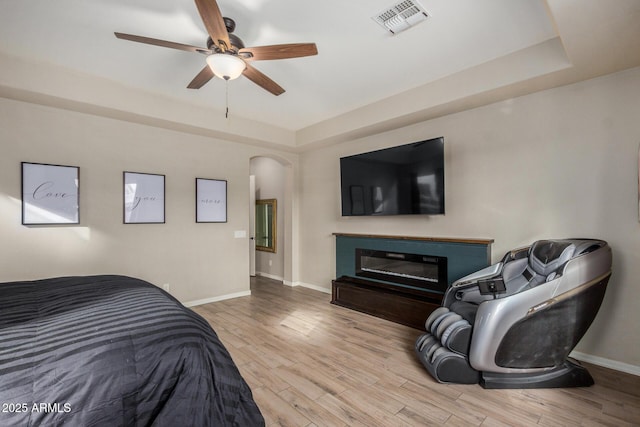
419 238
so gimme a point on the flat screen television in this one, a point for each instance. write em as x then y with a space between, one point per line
402 180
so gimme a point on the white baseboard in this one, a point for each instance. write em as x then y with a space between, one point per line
294 284
606 363
270 276
216 299
314 287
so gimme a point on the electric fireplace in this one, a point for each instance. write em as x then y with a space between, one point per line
414 270
402 278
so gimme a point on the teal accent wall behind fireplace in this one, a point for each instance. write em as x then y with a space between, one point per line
464 256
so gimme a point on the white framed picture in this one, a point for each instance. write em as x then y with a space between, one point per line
50 194
211 200
144 195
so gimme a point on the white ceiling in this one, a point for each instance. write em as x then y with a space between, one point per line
359 65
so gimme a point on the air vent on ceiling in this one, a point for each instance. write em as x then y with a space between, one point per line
401 16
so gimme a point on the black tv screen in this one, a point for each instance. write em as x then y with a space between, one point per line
403 180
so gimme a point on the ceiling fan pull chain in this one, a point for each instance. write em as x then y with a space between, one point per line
226 94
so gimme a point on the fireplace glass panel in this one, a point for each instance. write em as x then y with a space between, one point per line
423 271
400 268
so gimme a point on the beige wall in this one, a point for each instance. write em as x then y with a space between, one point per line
558 163
198 261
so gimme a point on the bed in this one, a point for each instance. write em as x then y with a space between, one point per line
113 350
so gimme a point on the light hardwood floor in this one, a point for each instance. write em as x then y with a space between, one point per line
310 363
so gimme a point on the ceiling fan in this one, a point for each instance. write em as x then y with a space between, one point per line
227 57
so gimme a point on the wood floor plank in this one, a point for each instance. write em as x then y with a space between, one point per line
384 398
299 381
276 411
374 414
455 421
423 407
311 363
339 408
557 420
439 401
310 409
492 422
266 376
551 402
508 411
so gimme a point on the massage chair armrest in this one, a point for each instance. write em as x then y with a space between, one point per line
471 282
472 279
488 281
491 271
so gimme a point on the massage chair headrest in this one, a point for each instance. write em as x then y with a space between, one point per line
546 256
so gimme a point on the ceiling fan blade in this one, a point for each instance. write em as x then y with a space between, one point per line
162 43
262 80
278 51
212 19
202 78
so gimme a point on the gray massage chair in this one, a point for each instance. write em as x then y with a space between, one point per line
514 323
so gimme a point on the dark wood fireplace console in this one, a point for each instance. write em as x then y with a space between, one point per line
401 305
391 299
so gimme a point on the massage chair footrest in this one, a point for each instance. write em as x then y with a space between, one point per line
445 365
568 374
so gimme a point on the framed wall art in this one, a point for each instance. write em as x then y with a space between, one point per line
144 198
211 200
50 194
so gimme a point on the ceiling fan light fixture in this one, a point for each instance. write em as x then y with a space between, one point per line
226 66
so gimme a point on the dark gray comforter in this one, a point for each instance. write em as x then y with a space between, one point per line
113 351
